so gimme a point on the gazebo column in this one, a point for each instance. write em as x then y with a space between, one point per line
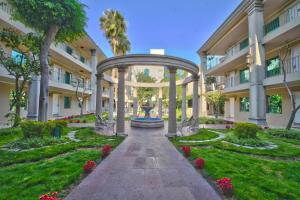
98 98
121 102
172 129
183 106
111 102
160 103
135 102
195 98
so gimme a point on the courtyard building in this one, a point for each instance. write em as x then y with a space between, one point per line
70 63
245 53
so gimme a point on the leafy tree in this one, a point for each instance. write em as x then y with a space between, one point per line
217 99
80 95
21 66
145 94
55 20
114 26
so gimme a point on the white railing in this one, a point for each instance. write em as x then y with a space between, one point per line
5 7
292 65
290 14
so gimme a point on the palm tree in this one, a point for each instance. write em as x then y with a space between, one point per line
114 26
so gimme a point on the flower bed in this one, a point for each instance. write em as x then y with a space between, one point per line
226 186
89 166
106 149
186 151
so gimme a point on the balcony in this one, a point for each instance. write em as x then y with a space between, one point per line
234 84
65 82
284 27
274 75
59 53
234 56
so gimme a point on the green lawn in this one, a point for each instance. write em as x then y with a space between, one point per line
28 174
256 174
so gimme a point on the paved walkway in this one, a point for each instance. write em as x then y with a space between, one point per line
146 166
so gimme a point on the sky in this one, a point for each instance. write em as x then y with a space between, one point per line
178 26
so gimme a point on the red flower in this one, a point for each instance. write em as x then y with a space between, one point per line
106 149
199 162
89 166
186 150
48 197
225 185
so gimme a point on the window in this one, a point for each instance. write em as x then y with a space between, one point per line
69 50
244 44
271 26
146 72
272 67
244 104
68 78
17 57
274 104
82 59
190 103
244 75
67 102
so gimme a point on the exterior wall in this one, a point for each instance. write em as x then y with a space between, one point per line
4 99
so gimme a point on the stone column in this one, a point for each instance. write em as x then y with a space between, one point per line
94 62
111 102
99 98
257 63
160 103
33 98
183 105
121 102
195 97
172 129
203 68
135 102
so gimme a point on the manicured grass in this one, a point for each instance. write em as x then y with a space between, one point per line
28 174
203 134
9 135
87 118
256 174
29 181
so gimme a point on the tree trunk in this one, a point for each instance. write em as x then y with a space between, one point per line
292 118
17 104
43 101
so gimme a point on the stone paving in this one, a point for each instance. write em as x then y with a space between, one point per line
146 166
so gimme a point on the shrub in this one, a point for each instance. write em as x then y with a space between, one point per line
32 129
89 166
105 115
10 131
283 133
186 150
226 186
246 130
106 149
84 121
48 196
70 121
199 163
253 142
33 143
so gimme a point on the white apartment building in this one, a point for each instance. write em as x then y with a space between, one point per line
72 62
245 51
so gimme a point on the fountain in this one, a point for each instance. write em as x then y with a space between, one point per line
147 121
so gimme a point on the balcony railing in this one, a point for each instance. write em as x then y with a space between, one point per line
291 65
5 7
291 14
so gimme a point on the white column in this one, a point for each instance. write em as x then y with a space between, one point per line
172 129
195 97
111 102
203 67
160 103
257 63
99 97
183 105
121 103
94 62
33 98
135 102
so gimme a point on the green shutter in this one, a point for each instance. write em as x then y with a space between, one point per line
271 26
273 67
244 104
68 78
244 44
69 50
244 75
67 102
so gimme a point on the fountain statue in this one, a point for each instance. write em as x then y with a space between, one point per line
147 121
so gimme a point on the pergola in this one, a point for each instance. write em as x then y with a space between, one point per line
123 62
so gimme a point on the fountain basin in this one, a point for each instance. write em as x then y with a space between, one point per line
147 122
